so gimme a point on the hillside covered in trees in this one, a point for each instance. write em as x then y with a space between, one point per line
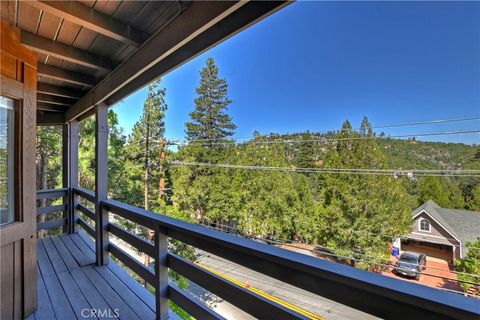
337 210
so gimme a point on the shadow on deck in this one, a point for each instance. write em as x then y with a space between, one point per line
70 286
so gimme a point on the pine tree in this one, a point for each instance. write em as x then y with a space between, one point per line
305 152
469 267
356 207
116 149
144 149
204 191
433 188
209 120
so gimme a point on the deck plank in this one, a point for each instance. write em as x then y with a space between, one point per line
112 298
54 256
146 296
81 258
74 295
94 298
83 246
44 310
60 304
43 261
88 241
66 255
68 282
140 291
135 303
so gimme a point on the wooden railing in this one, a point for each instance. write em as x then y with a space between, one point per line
88 196
47 210
366 291
372 293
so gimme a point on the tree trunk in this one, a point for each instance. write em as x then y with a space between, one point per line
145 184
161 182
146 164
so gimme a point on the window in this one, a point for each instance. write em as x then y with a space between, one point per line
424 225
6 160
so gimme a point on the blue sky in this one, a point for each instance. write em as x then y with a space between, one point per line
312 65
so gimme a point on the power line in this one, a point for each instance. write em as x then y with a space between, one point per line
321 140
362 232
394 125
358 171
416 123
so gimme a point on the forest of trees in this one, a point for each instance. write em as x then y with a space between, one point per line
339 211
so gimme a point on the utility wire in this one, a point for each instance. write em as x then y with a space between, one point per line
362 232
416 123
359 171
321 139
394 125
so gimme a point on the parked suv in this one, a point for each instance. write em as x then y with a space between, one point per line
410 264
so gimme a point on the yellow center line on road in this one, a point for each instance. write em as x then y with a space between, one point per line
263 294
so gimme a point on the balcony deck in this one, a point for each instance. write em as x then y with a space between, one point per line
69 283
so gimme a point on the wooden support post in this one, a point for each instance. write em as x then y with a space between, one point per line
65 176
161 273
70 136
101 183
73 176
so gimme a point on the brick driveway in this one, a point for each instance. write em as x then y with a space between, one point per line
435 267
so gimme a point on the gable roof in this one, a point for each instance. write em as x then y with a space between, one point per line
464 224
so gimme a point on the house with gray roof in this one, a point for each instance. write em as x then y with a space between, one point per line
442 233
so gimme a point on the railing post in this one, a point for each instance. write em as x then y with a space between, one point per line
161 273
70 136
101 183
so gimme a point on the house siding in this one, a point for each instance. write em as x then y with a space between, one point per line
437 234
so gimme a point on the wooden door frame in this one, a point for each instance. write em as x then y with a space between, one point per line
18 69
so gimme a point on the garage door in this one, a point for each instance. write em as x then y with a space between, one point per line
439 251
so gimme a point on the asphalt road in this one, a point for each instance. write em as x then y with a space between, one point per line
318 305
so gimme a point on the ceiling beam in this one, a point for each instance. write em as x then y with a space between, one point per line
197 18
59 91
50 107
236 22
46 118
92 19
56 73
61 101
65 52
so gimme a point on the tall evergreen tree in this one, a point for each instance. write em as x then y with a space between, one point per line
433 188
144 147
209 120
357 207
201 190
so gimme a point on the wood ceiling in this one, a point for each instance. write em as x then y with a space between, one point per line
93 52
79 42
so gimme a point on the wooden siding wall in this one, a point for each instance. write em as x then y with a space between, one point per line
18 292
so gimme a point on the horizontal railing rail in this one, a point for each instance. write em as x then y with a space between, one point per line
45 211
84 193
369 292
78 207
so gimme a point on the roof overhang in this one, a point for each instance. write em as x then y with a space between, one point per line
195 30
99 52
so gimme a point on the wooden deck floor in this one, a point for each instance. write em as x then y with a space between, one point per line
70 286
